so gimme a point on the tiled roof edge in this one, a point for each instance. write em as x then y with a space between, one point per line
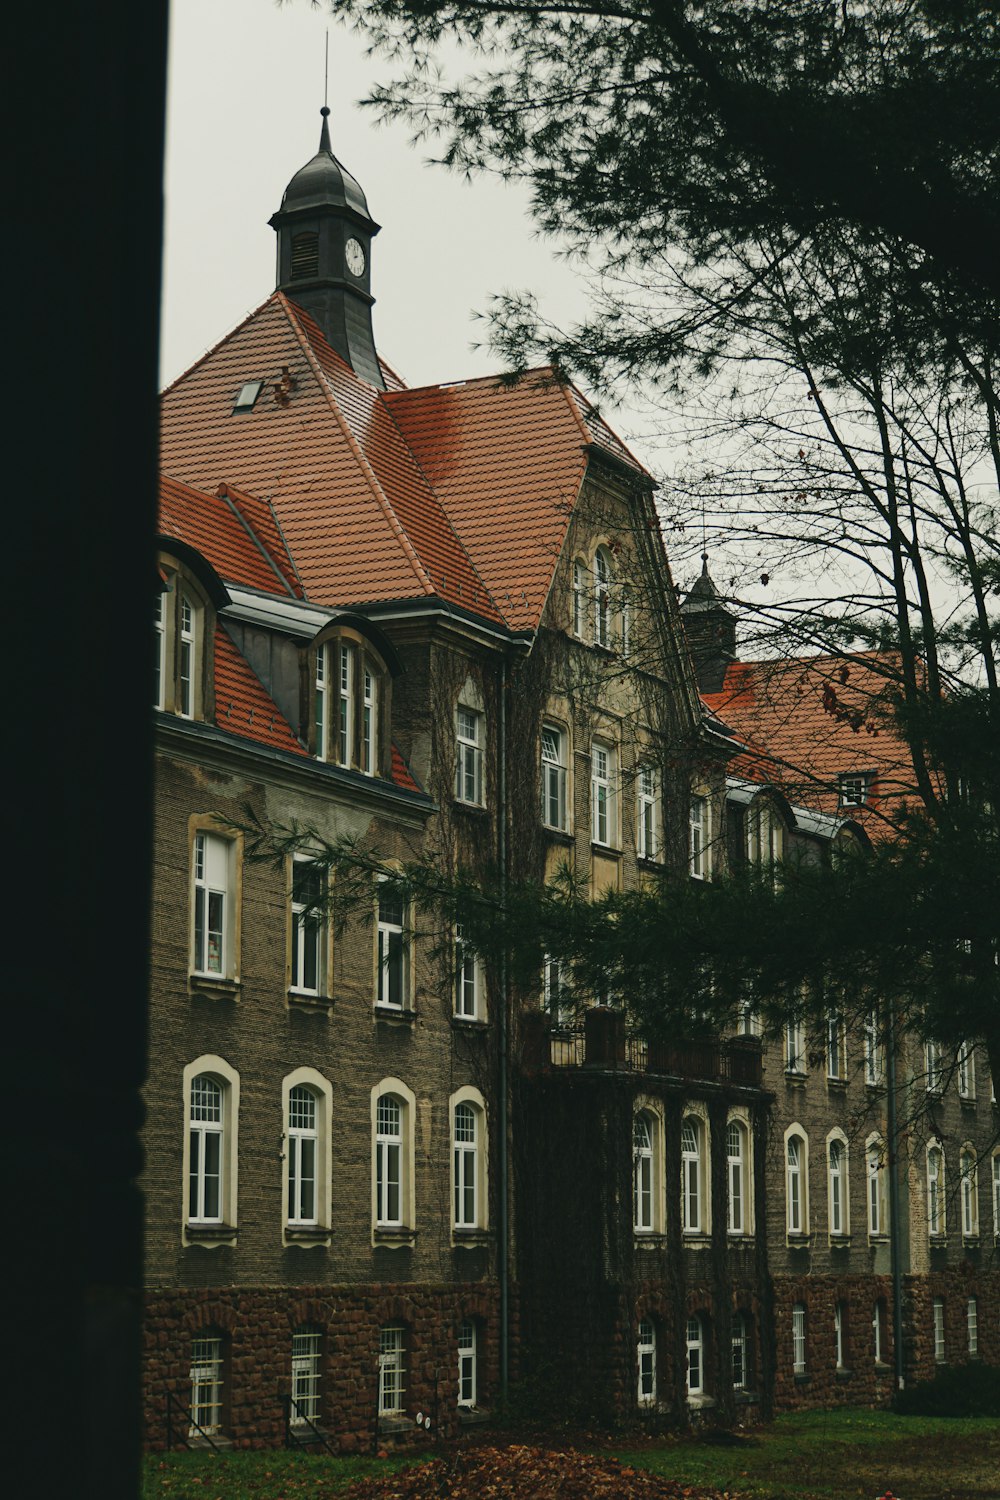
217 345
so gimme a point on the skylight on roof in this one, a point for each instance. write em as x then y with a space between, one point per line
248 395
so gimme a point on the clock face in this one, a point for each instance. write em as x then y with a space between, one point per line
355 257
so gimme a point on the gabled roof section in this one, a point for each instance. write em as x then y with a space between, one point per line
242 703
236 540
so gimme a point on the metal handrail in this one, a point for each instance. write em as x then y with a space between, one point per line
173 1401
292 1440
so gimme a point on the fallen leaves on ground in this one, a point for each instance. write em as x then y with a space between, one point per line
520 1473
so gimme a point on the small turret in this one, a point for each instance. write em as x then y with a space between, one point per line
711 631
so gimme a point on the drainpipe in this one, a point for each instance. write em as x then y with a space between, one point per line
895 1225
504 1257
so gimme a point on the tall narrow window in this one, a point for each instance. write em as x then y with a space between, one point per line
935 1191
466 1166
322 700
736 1176
392 989
625 614
388 1162
303 1150
642 1173
878 1331
838 1188
186 656
966 1071
468 1373
159 651
940 1348
601 794
211 900
469 767
391 1370
699 862
695 1344
799 1338
970 1193
308 925
556 996
205 1151
972 1324
691 1175
836 1062
646 1352
307 1363
873 1050
996 1195
648 817
840 1333
602 598
206 1385
369 723
795 1047
346 723
579 598
553 777
795 1185
741 1353
875 1161
932 1067
468 979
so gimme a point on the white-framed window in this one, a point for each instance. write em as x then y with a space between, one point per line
393 983
469 757
389 1162
556 994
763 835
996 1193
210 1158
321 702
646 1355
308 926
966 1065
468 1363
795 1047
747 1019
159 650
469 985
741 1352
874 1057
940 1347
212 901
796 1181
182 623
648 813
369 721
840 1333
345 710
602 597
346 689
799 1338
186 655
875 1173
836 1049
694 1341
970 1192
694 1217
737 1153
307 1374
936 1220
933 1075
303 1156
391 1370
643 1173
206 1139
839 1194
625 617
554 775
855 788
207 1384
699 839
579 599
972 1324
878 1331
602 793
468 1177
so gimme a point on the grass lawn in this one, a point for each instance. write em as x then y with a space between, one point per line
839 1455
843 1455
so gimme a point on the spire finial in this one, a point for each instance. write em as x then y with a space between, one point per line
324 135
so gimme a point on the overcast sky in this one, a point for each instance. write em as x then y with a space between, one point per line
245 90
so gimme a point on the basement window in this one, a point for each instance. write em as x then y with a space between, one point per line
249 392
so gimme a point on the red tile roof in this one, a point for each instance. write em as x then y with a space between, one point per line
240 541
808 720
242 704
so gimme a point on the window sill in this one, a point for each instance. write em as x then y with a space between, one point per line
393 1015
736 1237
881 1368
558 835
307 1234
970 1241
798 1240
651 862
836 1085
214 986
394 1239
969 1100
795 1075
878 1239
393 1423
470 1239
303 1000
840 1242
700 1402
802 1377
469 1023
692 1240
843 1374
474 809
472 1416
606 851
649 1239
210 1234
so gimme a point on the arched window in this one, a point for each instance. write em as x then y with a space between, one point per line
736 1170
602 597
307 1369
183 626
875 1165
466 1166
206 1137
643 1174
303 1141
468 1364
646 1354
348 688
693 1215
796 1182
936 1222
307 1103
579 599
695 1346
389 1162
208 1383
970 1192
839 1197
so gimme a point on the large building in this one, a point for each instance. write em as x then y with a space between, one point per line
384 1178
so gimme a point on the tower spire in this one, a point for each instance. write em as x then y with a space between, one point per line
324 133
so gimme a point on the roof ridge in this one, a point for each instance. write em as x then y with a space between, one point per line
379 494
217 345
223 494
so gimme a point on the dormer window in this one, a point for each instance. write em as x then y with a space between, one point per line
182 626
349 701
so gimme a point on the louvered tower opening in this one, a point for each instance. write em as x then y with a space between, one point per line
305 256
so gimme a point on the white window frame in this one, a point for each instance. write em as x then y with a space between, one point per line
968 1167
602 794
579 599
369 719
213 861
647 828
224 1221
875 1187
296 1147
972 1325
853 788
393 1158
392 952
996 1193
932 1067
644 1174
764 841
694 1196
878 1331
603 575
321 705
309 929
206 1144
468 1364
555 775
799 1350
966 1068
469 1173
796 1182
391 1370
839 1333
694 1351
555 986
188 621
795 1048
838 1179
738 1207
469 741
700 837
469 980
208 1383
302 1146
940 1337
937 1215
741 1352
160 649
307 1375
836 1049
874 1058
646 1362
346 669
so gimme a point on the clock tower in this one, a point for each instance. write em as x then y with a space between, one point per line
324 234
